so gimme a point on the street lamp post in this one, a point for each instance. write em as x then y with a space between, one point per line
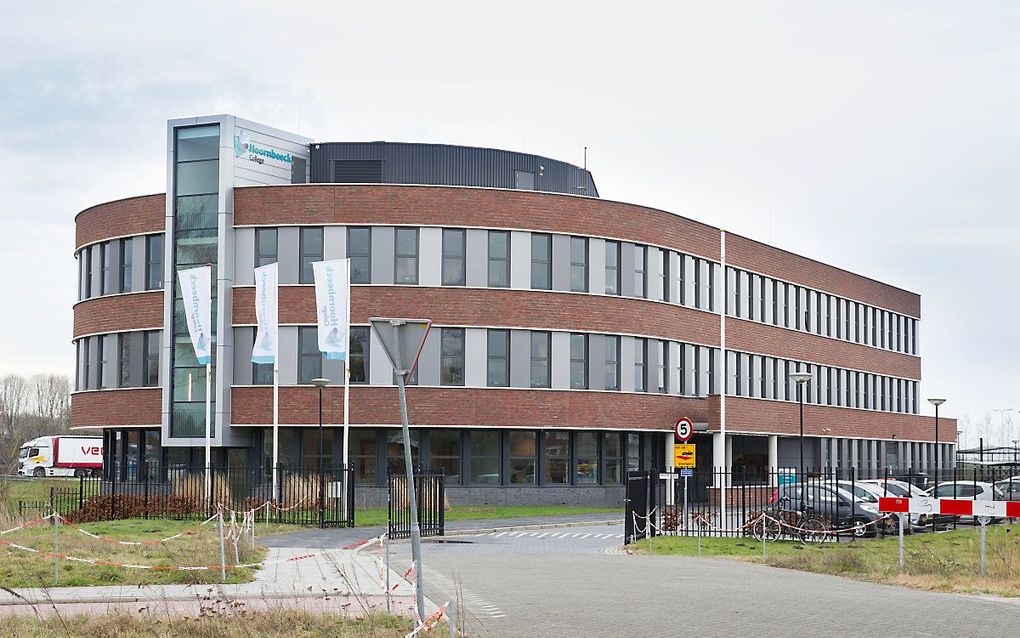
321 383
800 378
936 403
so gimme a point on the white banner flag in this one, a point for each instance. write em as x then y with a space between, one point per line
332 302
266 314
196 288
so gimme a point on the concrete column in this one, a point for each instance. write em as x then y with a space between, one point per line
908 456
729 460
773 457
668 455
833 453
873 464
718 450
922 455
855 458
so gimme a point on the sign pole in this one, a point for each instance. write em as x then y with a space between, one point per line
900 516
208 431
685 502
276 424
412 501
347 404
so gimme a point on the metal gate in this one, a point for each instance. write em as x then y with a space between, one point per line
336 506
430 490
639 506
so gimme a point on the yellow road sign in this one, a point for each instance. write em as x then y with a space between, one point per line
683 455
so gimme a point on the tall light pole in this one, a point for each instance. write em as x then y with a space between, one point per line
800 378
321 383
936 403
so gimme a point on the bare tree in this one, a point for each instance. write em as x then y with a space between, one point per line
52 394
29 409
14 397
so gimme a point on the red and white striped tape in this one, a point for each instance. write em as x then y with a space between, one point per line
950 507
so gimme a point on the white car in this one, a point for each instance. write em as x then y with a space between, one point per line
899 489
967 490
1009 489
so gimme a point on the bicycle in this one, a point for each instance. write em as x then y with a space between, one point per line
807 527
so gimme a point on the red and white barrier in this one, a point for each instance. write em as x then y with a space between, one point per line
950 507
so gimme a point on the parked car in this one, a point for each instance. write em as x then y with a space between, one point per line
967 490
900 489
835 504
1009 489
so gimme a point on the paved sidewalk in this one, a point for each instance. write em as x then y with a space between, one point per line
340 581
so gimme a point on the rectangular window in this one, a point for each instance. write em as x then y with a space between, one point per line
106 279
105 365
613 472
150 367
483 448
640 281
153 262
444 454
522 458
451 371
540 359
579 361
363 454
612 366
311 248
125 265
406 255
541 261
261 373
663 274
578 264
359 251
86 366
612 267
86 256
662 364
640 369
587 458
498 358
453 256
124 365
633 452
681 281
360 336
266 247
309 357
557 458
699 296
499 259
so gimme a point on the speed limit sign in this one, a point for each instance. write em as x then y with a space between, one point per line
683 429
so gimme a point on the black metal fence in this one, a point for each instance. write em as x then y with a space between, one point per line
430 491
304 497
823 504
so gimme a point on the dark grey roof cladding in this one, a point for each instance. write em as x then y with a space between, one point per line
446 165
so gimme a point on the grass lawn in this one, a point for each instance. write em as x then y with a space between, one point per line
214 623
19 568
35 489
942 562
376 516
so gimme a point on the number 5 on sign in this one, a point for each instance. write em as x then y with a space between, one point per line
683 455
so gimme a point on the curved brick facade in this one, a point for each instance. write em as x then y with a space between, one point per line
135 407
118 313
130 216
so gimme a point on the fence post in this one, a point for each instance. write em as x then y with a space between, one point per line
145 489
81 492
900 517
223 549
113 491
984 526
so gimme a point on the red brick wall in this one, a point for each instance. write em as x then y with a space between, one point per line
781 417
142 406
749 336
499 307
131 216
470 406
768 260
136 311
453 206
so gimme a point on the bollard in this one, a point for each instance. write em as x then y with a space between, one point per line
984 525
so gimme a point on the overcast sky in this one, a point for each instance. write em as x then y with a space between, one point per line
881 137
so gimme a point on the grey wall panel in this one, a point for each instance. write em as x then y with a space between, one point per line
380 372
443 164
626 269
430 256
520 358
597 266
93 355
334 242
97 270
675 289
333 370
382 255
428 361
673 366
561 262
627 364
520 260
244 339
244 256
475 357
138 263
653 267
289 247
560 360
288 355
136 374
477 262
652 366
596 362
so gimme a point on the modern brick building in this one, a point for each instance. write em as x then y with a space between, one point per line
569 332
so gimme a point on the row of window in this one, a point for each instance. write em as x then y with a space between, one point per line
108 267
122 360
767 300
764 377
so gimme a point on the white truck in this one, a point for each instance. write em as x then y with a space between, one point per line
61 456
